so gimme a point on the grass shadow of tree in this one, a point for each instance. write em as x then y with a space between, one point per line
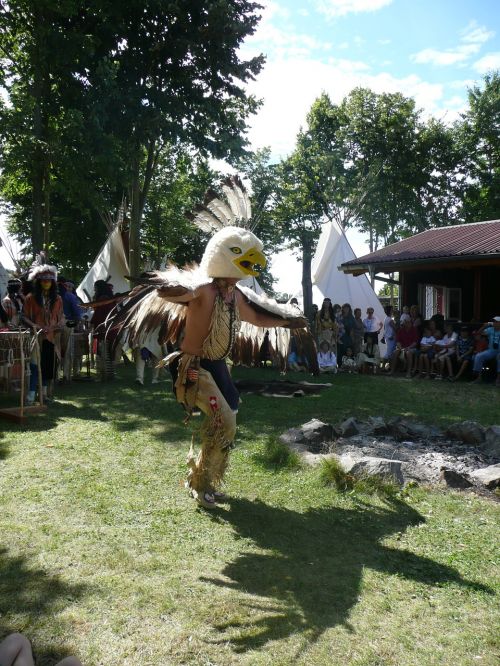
26 593
314 565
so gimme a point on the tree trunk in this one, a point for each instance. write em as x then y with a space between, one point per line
306 276
41 162
134 257
38 157
139 196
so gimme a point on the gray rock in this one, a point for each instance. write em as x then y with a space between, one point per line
398 428
468 432
292 436
370 466
312 435
454 479
488 476
350 427
316 431
491 444
377 425
421 431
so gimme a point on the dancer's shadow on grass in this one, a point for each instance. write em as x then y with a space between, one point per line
314 565
28 593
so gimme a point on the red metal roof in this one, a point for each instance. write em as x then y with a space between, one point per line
462 240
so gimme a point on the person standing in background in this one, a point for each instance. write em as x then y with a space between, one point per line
43 311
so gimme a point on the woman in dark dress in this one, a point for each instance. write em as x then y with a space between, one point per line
348 324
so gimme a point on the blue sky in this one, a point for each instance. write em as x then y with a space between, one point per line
429 50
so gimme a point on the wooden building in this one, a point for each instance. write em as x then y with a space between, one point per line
454 271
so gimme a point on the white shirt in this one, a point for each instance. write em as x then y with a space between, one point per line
372 325
428 341
388 329
326 359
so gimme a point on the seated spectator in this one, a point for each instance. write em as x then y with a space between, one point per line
439 347
405 315
297 362
446 354
464 350
438 321
327 360
416 317
406 347
349 362
480 342
426 352
491 330
15 650
369 357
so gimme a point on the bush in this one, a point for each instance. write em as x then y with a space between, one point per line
333 474
275 454
374 485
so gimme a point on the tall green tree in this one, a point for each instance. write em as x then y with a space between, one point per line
175 76
59 168
97 90
179 184
479 138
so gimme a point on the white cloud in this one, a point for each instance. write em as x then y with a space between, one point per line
487 63
332 8
282 41
289 86
461 84
472 38
384 42
448 57
455 101
476 33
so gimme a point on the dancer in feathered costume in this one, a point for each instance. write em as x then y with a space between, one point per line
210 315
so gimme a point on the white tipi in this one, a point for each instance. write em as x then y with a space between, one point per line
111 264
328 282
10 254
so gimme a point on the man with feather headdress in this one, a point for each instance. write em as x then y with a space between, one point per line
209 315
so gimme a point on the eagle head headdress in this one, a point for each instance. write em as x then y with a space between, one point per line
233 251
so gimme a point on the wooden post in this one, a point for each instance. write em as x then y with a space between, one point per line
39 366
23 370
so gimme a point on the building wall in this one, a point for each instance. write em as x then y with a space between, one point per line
463 278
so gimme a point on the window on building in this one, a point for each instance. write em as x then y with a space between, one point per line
436 299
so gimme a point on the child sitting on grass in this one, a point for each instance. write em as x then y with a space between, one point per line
349 362
327 360
370 356
465 348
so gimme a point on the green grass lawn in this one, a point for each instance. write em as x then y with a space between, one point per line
104 555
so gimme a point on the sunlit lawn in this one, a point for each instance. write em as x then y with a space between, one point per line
103 554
